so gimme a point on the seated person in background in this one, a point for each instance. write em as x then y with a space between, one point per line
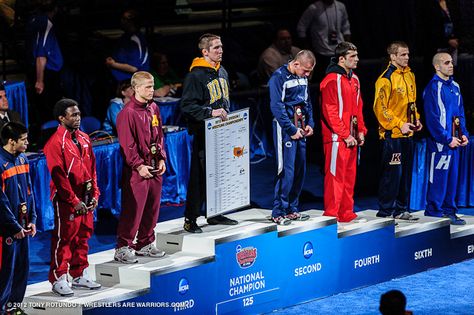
131 54
6 115
166 80
276 55
393 302
124 93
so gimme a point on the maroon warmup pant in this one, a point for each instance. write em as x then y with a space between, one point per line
140 209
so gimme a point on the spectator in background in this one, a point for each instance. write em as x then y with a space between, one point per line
6 115
124 94
131 54
327 24
46 59
276 55
167 81
393 302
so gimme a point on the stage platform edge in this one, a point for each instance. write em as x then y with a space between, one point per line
257 266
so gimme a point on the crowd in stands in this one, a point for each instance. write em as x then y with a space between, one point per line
53 72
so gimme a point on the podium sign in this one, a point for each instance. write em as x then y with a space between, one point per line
227 163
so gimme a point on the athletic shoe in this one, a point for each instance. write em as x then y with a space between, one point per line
85 281
61 286
297 216
150 250
191 226
455 220
406 216
125 255
222 220
281 220
359 219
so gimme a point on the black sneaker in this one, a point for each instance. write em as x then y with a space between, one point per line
455 220
191 226
220 219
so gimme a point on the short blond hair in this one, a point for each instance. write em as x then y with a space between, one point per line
392 49
305 56
139 76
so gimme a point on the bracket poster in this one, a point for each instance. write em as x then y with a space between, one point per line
227 163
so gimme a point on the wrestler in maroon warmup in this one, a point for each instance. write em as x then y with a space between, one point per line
142 145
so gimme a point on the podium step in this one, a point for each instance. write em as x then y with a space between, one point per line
257 266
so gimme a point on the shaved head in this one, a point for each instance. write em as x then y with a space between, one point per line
439 58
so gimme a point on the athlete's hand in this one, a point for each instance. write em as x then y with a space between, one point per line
419 126
455 142
21 234
220 112
161 167
350 141
32 229
308 131
407 128
298 135
144 171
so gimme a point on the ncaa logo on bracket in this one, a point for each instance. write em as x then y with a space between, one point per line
245 256
245 116
308 250
183 286
209 126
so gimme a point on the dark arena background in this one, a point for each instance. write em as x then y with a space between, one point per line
317 266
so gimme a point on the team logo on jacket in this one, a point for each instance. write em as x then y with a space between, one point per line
288 144
9 241
155 122
246 256
71 217
396 159
22 160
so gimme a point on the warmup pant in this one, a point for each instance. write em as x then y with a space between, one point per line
291 161
140 209
14 268
339 180
442 180
69 241
196 193
395 180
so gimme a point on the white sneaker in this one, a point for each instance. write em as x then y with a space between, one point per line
62 286
85 281
125 255
150 250
359 219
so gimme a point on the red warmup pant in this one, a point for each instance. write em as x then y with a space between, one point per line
339 180
140 209
69 247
